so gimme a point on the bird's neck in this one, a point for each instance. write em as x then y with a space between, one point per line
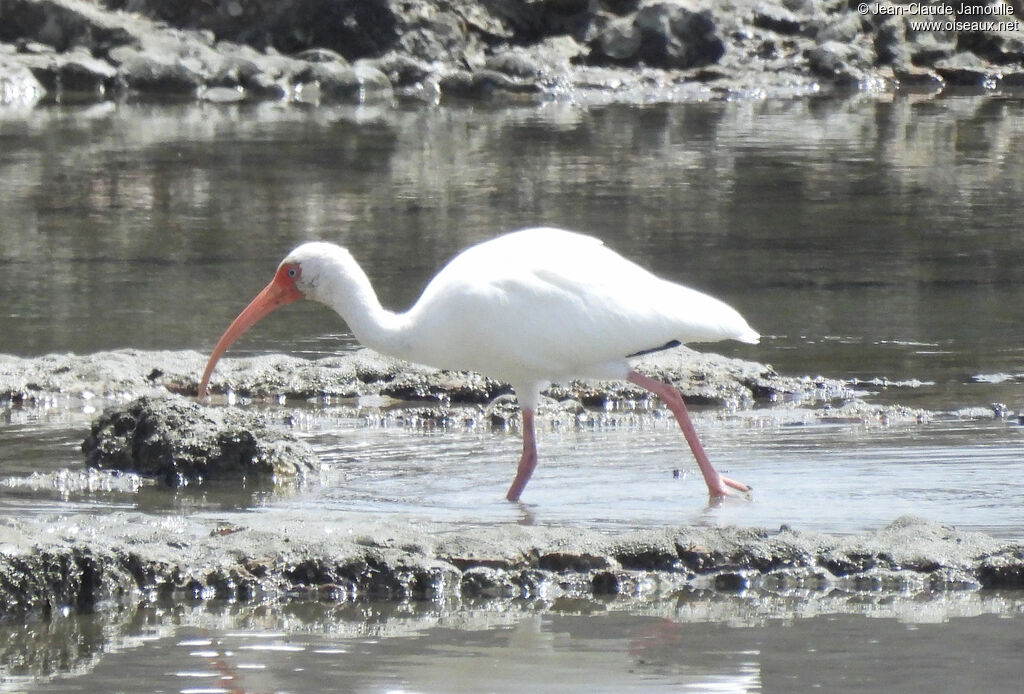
348 291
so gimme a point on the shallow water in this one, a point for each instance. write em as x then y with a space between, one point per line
867 238
693 643
625 477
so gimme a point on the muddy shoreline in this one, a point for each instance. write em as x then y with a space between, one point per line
97 562
94 561
635 51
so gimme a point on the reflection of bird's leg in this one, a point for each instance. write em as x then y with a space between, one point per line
718 484
529 460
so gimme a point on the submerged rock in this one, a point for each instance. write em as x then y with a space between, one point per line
180 442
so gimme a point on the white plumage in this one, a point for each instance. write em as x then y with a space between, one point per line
530 307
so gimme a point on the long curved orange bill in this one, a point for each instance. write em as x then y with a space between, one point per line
279 292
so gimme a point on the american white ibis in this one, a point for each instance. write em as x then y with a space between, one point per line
531 307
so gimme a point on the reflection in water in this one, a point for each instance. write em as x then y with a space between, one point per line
693 640
868 237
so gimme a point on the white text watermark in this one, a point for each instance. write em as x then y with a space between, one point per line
945 16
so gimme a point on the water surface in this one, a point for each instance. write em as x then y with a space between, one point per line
692 644
864 237
871 238
867 238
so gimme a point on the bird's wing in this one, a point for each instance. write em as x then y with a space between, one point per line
613 290
555 303
630 310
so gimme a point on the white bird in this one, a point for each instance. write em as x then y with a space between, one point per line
530 307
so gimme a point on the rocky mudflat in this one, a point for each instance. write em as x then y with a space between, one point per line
313 52
151 425
88 562
703 378
180 443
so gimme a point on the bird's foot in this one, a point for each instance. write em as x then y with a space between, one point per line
725 486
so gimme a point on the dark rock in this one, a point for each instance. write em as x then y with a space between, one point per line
927 47
62 25
844 28
620 39
645 556
515 65
440 37
918 78
353 29
483 83
179 442
340 82
674 36
606 583
331 81
151 71
777 19
561 562
545 62
532 21
80 73
485 582
996 47
841 63
50 582
400 69
263 86
890 44
1004 570
732 581
966 70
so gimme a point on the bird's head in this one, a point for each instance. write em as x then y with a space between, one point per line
300 275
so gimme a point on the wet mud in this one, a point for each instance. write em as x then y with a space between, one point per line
703 378
89 562
180 443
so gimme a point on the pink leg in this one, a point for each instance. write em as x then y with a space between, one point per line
718 484
529 460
